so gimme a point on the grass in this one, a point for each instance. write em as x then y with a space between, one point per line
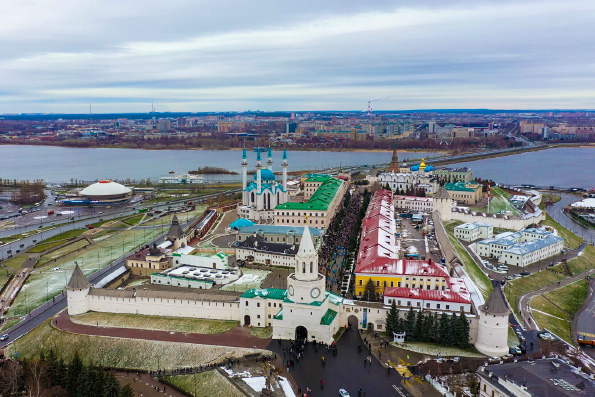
479 278
499 201
554 198
9 323
513 339
571 240
434 349
57 240
133 221
15 263
261 332
570 297
540 303
70 248
515 288
159 323
583 262
558 326
338 333
120 352
210 383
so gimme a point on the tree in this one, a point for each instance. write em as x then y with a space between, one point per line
75 374
111 387
370 291
444 328
463 329
127 391
410 324
392 319
453 333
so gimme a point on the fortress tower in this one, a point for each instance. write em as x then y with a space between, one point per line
492 331
77 290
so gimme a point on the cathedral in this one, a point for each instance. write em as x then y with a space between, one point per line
263 193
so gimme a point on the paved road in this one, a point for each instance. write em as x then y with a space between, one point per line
585 320
556 211
346 370
64 224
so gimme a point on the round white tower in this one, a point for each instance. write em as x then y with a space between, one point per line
306 285
492 331
77 291
443 204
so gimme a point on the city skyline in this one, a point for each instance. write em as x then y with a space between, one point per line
59 56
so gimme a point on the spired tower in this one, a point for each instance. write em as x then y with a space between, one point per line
306 285
394 162
258 174
443 204
270 160
492 331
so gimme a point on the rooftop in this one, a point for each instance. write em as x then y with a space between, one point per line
429 294
267 293
279 229
320 200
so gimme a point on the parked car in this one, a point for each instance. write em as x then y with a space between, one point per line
525 273
509 278
515 350
4 337
343 393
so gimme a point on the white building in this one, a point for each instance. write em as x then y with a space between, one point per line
473 231
181 179
264 193
419 176
456 299
521 248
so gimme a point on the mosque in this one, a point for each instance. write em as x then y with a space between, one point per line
264 193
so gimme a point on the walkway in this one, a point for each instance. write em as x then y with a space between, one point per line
584 320
144 385
237 337
556 211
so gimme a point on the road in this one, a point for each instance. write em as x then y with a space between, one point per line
556 211
65 224
53 307
584 321
346 370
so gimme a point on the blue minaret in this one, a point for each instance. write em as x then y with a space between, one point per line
270 160
284 164
258 173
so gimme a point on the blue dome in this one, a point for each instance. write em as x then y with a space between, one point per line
429 168
415 167
266 175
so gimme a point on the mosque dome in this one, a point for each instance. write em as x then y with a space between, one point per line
265 174
429 168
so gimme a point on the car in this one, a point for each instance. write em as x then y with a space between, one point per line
55 269
525 273
515 350
4 337
343 393
509 278
507 356
517 275
456 359
490 277
494 359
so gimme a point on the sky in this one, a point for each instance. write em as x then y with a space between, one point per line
231 55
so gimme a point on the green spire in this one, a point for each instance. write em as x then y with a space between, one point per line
284 154
244 153
270 151
257 154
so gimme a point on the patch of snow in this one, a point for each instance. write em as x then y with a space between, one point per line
257 383
286 386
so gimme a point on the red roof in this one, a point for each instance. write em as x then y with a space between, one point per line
428 294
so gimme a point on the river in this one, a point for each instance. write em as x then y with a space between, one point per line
59 164
561 167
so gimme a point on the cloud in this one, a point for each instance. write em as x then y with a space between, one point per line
295 55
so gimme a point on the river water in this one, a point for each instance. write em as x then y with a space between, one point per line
564 167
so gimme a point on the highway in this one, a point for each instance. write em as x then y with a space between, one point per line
556 211
65 224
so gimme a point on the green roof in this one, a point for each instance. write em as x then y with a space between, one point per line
268 293
458 186
328 317
279 316
318 178
320 200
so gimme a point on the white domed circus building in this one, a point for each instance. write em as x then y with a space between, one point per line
104 192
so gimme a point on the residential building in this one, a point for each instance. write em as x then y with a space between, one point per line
468 193
464 174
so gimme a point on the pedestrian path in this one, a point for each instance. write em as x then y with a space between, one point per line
236 337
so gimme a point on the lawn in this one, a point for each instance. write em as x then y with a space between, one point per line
57 240
61 252
9 323
434 349
542 304
133 221
44 285
554 198
499 202
210 383
15 263
483 283
159 323
120 352
570 239
558 326
513 339
570 297
260 332
583 262
515 288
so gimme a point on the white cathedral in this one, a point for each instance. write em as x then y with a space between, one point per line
264 193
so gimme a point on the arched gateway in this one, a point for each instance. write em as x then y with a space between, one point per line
301 333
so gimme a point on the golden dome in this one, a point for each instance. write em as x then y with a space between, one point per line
422 165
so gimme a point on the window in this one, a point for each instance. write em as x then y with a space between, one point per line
384 284
438 306
269 304
269 316
428 305
361 282
258 304
447 307
378 283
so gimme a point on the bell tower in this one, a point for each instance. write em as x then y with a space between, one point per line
394 162
306 285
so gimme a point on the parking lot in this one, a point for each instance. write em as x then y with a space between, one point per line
411 238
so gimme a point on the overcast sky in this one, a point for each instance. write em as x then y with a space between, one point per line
230 55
